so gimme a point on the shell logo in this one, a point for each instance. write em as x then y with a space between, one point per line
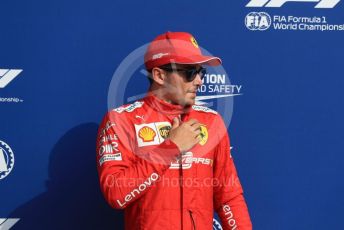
147 134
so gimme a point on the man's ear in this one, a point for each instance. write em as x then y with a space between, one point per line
158 75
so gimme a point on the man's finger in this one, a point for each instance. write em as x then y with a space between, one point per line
198 138
196 126
197 132
175 123
192 121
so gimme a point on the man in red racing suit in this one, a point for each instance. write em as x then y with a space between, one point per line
167 163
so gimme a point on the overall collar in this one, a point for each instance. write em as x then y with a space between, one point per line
165 107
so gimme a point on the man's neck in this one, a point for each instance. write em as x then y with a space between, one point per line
159 93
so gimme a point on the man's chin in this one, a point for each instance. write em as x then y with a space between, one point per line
189 101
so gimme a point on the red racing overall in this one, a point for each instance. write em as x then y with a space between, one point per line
141 171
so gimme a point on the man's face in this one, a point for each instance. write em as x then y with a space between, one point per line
178 89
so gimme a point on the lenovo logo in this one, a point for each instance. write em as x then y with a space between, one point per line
142 187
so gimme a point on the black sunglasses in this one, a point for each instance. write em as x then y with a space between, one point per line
190 74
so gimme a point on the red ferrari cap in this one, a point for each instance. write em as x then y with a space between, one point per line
176 47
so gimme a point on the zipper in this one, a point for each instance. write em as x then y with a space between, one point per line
192 219
181 195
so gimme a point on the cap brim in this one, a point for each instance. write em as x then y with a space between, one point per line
190 60
203 60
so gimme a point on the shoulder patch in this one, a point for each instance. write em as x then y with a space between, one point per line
129 108
203 109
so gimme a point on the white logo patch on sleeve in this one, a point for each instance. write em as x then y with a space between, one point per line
129 108
110 157
203 109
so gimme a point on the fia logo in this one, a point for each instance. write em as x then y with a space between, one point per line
279 3
6 159
258 21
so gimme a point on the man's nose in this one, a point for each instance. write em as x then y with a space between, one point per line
198 81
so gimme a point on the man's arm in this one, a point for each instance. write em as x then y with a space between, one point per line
123 176
229 201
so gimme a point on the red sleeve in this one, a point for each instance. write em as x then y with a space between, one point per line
123 175
229 201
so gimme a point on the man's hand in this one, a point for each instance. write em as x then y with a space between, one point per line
185 135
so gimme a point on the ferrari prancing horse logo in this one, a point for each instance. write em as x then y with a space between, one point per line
204 135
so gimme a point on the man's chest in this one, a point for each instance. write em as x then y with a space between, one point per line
150 131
